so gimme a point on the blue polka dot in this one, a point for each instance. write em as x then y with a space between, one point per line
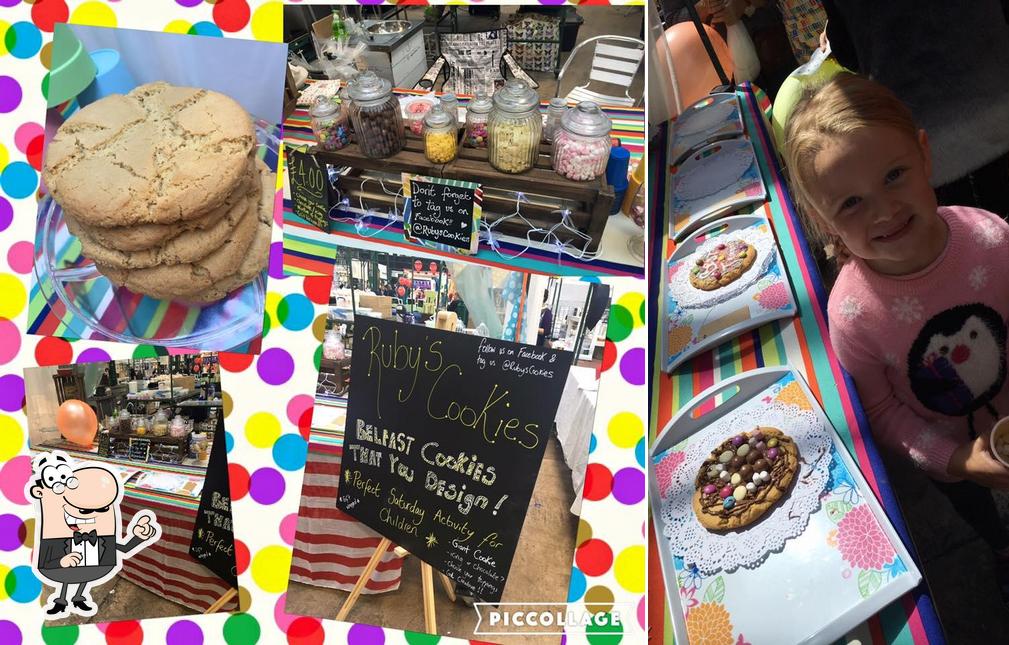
290 452
296 312
591 278
639 452
23 39
577 587
229 441
22 585
18 180
204 28
592 444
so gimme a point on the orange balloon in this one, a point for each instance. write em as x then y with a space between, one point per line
695 75
77 422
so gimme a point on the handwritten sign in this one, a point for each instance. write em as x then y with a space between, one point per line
309 188
140 449
213 541
445 435
442 213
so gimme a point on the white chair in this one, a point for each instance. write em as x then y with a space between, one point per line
613 62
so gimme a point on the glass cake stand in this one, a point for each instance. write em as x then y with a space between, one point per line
90 306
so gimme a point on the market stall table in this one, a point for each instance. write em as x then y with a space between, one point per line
575 416
310 251
165 567
800 342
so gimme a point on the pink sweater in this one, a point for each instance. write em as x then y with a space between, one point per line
927 351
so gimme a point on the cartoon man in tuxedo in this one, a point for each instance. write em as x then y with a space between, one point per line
77 529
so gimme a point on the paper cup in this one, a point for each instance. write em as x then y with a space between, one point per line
999 434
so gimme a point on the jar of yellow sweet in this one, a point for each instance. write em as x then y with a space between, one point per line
440 145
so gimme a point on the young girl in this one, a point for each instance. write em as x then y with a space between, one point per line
918 313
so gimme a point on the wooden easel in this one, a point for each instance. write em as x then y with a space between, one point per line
228 595
426 579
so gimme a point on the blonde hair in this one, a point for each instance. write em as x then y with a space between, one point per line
842 105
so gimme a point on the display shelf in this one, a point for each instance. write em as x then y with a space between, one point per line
547 192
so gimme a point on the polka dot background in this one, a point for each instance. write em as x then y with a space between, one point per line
268 398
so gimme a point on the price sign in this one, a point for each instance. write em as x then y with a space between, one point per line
310 191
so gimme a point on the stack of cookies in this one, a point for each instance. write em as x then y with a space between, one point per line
163 188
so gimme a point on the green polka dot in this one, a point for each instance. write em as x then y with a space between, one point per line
605 634
241 628
621 323
641 314
283 310
318 358
65 635
421 639
266 324
149 351
45 86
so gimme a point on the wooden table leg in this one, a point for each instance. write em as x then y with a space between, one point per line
364 577
445 582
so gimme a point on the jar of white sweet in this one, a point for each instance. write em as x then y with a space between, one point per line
582 144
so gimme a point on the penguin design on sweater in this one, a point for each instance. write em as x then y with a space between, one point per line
957 363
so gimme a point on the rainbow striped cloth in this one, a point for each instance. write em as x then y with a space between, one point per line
309 251
801 342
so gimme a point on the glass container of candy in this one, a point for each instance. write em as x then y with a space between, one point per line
582 144
332 347
558 106
440 144
179 427
140 425
477 113
375 114
124 423
450 103
514 128
159 425
330 123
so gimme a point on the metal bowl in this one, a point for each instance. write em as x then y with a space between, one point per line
388 27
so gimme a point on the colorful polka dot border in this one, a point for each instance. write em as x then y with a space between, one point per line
266 444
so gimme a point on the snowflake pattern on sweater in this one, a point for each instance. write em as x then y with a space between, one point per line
927 351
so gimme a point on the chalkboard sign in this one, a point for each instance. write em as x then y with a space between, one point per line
104 449
140 449
444 438
309 188
213 541
442 213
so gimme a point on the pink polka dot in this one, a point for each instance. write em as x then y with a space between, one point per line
24 135
20 257
10 341
297 406
13 476
641 612
283 618
288 526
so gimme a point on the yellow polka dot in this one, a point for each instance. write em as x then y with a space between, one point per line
629 569
625 429
178 27
30 532
267 22
228 403
272 302
4 157
270 568
3 576
11 437
4 26
262 429
633 302
96 14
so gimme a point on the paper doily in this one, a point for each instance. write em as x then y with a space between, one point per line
705 118
687 296
750 546
699 178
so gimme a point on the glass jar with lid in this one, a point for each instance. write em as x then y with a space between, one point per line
477 113
330 122
450 103
179 426
159 426
375 114
140 425
582 144
514 128
124 422
558 106
440 144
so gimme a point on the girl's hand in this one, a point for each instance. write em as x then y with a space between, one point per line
974 461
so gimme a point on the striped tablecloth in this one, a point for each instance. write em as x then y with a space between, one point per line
331 548
802 343
309 251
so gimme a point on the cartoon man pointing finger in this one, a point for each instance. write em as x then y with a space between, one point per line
77 529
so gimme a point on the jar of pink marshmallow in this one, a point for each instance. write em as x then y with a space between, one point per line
582 144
